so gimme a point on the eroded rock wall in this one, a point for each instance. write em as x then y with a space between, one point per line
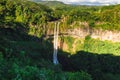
113 36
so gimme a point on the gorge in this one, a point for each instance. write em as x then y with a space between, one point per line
57 41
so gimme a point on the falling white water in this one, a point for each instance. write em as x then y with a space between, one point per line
56 31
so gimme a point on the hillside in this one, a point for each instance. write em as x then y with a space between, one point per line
88 42
52 3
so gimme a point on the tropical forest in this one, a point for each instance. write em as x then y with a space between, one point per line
51 40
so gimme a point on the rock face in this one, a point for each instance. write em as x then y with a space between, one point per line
85 30
113 36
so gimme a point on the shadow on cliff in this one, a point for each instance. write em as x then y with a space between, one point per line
14 40
93 63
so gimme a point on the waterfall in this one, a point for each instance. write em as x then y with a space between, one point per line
56 31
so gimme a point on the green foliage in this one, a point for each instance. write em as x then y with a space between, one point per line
25 57
96 57
92 45
91 23
27 72
37 14
78 76
96 64
102 47
111 76
69 40
18 70
79 45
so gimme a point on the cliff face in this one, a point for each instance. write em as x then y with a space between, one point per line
83 30
113 36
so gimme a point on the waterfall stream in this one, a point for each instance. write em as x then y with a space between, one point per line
56 32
